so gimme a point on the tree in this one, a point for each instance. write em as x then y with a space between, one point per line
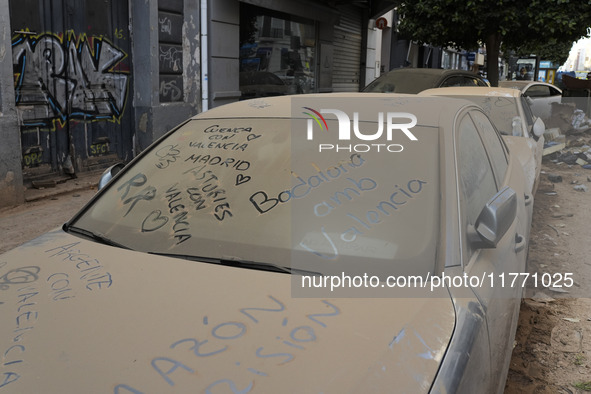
517 24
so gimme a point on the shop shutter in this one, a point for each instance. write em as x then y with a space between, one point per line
347 50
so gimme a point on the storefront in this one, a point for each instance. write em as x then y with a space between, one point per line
277 53
270 48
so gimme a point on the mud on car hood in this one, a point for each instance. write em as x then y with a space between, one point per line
84 317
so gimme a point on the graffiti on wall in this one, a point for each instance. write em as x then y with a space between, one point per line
60 78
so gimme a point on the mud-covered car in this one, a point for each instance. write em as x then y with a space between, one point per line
415 80
539 96
318 243
509 111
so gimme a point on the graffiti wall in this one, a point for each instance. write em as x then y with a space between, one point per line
60 78
72 80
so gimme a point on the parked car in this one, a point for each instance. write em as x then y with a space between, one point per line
175 277
261 84
510 113
415 80
539 95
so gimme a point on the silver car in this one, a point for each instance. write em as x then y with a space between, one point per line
325 243
539 95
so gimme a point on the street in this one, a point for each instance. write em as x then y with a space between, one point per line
552 352
26 222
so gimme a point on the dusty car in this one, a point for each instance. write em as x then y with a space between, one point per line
415 80
255 84
510 113
210 262
539 95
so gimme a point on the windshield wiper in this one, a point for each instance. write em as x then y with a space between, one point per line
256 265
94 236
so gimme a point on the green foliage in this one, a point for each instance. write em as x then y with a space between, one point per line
466 23
586 386
543 27
579 359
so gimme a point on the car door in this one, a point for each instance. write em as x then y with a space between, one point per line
485 169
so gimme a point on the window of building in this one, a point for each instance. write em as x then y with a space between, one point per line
277 53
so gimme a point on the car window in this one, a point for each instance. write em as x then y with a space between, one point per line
460 81
537 91
476 176
529 116
555 92
500 110
494 144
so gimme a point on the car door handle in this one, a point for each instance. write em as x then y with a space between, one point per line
528 199
519 243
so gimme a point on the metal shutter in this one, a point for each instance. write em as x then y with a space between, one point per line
347 50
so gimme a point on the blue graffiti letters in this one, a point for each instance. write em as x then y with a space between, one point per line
173 366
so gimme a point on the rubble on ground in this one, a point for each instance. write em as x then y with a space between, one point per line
568 136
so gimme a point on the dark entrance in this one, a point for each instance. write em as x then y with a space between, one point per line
72 80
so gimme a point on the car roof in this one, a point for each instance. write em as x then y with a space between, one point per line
472 91
414 80
428 110
431 71
520 84
523 85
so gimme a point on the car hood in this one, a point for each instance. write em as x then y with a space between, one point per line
85 317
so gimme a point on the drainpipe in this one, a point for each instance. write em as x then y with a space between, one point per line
204 60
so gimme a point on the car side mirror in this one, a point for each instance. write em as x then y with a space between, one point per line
529 100
494 220
109 173
539 128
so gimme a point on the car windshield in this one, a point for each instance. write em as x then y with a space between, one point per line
402 82
227 189
500 110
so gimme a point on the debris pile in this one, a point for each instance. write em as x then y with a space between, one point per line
568 140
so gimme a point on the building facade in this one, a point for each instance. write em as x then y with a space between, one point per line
85 84
260 48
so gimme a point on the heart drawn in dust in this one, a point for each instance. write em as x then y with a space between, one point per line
240 179
154 221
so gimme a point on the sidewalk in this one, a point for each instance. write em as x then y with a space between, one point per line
45 209
84 180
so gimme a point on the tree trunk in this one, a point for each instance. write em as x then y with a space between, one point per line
493 44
